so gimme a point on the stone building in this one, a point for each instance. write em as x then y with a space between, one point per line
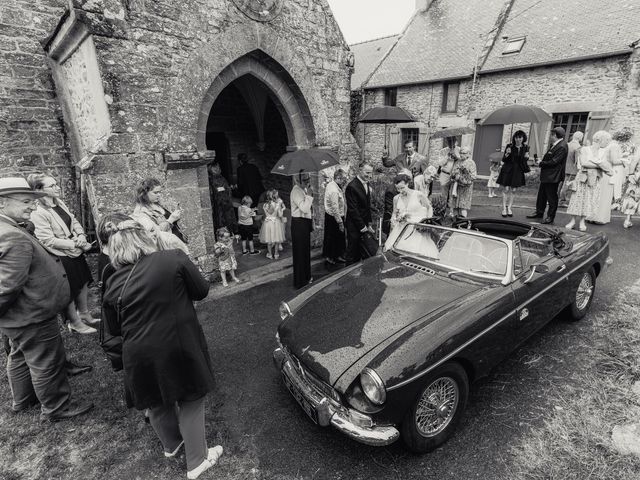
106 92
458 60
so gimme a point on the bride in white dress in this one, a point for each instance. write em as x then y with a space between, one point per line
408 206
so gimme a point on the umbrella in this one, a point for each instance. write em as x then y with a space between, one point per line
386 114
516 114
452 132
307 160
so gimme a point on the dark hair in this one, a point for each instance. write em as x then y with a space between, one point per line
104 230
558 132
408 140
242 157
402 177
519 133
339 173
144 187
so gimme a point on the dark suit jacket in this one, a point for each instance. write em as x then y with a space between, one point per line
553 163
250 182
418 166
358 205
389 194
33 284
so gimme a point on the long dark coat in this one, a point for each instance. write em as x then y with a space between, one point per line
553 163
513 167
164 352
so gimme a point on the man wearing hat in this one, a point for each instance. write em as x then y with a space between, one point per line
552 168
33 289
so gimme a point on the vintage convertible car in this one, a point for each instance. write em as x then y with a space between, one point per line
387 347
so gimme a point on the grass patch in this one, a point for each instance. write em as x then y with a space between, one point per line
575 443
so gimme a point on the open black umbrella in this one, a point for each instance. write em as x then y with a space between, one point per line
516 114
385 115
452 132
307 160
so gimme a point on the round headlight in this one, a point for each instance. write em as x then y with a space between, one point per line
373 387
285 311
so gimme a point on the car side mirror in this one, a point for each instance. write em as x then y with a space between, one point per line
536 268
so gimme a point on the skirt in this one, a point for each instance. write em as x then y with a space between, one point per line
78 273
334 243
271 231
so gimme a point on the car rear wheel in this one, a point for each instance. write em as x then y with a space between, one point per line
437 409
583 296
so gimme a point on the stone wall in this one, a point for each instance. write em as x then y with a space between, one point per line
161 66
32 135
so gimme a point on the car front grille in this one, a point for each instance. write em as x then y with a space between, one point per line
312 379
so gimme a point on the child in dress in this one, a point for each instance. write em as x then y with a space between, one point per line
283 219
631 200
271 232
226 256
245 225
494 171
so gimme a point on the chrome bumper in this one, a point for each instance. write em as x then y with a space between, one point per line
329 412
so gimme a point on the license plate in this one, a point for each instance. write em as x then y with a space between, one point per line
302 401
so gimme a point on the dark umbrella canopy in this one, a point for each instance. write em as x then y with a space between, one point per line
308 160
516 114
452 132
386 114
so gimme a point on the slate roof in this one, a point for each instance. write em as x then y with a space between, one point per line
367 56
560 30
439 43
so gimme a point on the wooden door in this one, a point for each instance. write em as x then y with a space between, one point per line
488 140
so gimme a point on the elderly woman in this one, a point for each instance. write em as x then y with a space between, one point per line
301 226
607 155
62 235
157 219
593 172
408 206
514 166
167 369
461 188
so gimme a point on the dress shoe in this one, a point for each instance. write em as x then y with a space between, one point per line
534 215
175 452
504 213
21 408
69 412
88 319
213 455
547 221
81 328
341 260
73 369
509 212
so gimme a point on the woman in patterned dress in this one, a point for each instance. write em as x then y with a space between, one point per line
461 186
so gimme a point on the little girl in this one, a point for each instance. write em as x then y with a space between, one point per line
494 171
226 256
271 232
245 225
283 219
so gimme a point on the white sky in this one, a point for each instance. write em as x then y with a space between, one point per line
362 20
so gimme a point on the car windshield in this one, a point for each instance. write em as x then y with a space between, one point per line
455 249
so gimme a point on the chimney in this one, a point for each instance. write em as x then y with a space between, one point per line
422 5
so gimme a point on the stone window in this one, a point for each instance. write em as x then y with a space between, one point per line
450 97
513 45
390 96
410 134
571 122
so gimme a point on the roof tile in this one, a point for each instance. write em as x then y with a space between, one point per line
367 56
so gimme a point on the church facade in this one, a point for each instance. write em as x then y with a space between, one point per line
103 93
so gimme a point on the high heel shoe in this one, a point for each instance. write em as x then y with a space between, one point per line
81 328
570 225
504 212
87 319
582 227
509 212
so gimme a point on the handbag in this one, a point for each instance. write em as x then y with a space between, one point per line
112 346
368 245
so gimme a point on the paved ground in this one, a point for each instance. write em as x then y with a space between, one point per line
266 425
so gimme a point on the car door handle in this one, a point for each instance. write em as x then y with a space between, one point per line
561 268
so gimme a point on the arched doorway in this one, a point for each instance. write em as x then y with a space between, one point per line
255 107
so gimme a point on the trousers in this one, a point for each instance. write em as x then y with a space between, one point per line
547 194
182 421
35 367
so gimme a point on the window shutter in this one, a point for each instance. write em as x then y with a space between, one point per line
423 141
597 121
394 142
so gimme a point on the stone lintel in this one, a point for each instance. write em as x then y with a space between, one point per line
183 160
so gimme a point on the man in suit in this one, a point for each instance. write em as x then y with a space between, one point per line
552 167
571 168
358 199
33 289
409 160
249 180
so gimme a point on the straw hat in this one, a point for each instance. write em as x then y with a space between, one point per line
14 185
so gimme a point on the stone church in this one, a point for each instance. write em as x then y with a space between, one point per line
103 93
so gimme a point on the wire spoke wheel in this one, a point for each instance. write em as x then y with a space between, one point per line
437 406
584 292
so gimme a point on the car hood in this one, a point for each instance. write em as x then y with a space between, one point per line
348 316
